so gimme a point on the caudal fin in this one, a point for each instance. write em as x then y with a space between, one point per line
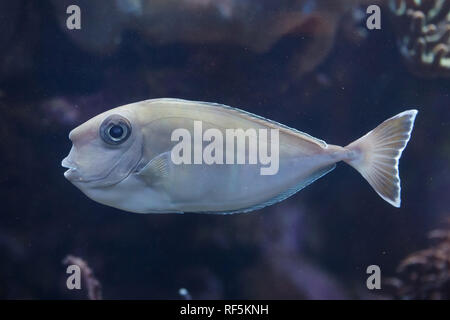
376 155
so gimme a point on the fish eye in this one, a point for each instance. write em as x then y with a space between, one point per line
115 130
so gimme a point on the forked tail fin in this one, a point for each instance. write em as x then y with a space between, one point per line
376 155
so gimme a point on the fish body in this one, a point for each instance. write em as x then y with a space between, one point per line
136 172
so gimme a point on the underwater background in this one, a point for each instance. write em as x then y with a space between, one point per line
310 64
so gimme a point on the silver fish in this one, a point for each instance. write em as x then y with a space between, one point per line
122 158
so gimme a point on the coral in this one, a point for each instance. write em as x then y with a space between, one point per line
425 274
423 32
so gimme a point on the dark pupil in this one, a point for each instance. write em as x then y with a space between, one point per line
116 132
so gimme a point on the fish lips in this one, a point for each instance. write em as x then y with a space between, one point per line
75 176
72 174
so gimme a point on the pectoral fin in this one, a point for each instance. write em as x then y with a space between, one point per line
156 170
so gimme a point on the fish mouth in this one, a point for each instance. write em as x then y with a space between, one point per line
72 173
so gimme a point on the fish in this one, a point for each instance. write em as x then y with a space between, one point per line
124 158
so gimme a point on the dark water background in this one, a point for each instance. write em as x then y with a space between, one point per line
316 244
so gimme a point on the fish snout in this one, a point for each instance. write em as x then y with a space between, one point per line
72 174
